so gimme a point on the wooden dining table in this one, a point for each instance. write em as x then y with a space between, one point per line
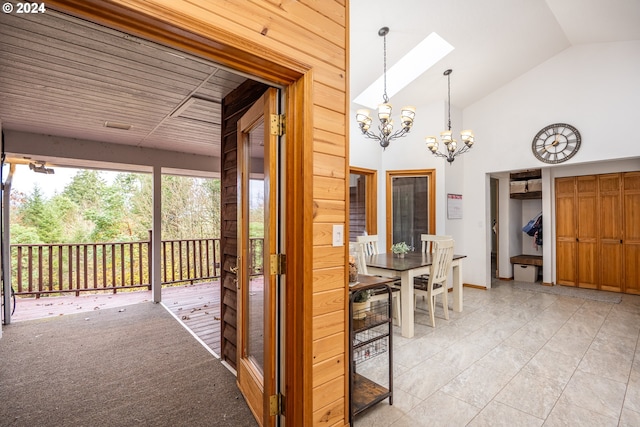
413 264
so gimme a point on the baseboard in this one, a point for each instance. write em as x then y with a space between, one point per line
547 284
469 285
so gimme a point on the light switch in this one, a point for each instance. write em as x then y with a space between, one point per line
338 235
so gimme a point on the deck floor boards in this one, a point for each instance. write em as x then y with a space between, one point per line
196 306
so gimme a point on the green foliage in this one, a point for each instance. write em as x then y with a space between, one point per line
41 216
91 210
361 296
400 248
21 234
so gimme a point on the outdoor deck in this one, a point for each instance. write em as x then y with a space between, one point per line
196 306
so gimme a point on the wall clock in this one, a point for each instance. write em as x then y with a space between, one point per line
556 143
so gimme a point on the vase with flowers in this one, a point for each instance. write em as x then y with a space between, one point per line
400 249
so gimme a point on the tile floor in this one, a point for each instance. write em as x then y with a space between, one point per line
515 358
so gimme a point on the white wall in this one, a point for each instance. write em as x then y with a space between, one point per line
593 87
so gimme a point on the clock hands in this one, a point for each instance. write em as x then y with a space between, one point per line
553 144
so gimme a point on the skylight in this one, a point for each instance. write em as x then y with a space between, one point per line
418 60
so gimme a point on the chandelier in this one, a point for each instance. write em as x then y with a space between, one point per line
385 128
451 145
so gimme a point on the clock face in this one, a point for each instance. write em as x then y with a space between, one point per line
556 143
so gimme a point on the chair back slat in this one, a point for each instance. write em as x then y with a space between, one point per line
369 244
442 259
428 240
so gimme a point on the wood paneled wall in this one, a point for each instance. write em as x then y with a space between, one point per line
301 45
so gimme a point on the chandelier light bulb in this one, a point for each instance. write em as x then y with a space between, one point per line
406 116
467 137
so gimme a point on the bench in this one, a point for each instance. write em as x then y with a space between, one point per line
527 260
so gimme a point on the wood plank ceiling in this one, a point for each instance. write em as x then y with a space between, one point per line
66 77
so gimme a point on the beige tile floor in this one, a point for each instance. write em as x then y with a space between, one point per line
515 358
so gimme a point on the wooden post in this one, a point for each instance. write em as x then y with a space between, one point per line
149 258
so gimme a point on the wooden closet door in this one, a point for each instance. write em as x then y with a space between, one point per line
587 242
610 228
566 229
631 246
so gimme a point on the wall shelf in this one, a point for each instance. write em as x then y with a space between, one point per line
520 180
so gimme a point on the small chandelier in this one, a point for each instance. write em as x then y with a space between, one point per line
407 114
450 144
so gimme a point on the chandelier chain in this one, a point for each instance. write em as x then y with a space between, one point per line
384 72
449 99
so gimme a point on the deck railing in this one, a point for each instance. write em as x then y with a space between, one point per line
90 267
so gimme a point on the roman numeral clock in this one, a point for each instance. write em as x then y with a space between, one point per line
556 143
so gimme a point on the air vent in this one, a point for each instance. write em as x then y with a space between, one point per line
199 109
116 125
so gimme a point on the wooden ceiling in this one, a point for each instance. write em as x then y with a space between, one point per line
67 77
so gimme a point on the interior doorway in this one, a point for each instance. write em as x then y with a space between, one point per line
495 230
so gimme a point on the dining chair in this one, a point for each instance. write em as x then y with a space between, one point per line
370 244
361 264
437 282
428 247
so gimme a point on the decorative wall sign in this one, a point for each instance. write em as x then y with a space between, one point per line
454 206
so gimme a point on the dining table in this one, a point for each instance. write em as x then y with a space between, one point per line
413 264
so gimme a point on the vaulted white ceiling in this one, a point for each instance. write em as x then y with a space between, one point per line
495 41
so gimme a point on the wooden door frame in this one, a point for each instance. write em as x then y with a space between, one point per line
371 196
157 24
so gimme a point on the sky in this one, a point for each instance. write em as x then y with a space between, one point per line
24 179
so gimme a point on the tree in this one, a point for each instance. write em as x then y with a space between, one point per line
90 210
41 216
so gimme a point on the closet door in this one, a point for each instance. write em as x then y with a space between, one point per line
631 246
610 228
566 231
587 241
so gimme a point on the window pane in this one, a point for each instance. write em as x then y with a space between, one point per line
357 206
410 209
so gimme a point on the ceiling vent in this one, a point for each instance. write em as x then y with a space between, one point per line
199 109
116 125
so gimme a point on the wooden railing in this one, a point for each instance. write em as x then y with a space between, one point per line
90 267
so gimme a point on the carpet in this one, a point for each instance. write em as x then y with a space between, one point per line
116 367
568 291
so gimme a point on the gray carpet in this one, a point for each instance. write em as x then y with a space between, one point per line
569 291
134 366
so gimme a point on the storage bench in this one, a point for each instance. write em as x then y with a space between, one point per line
525 267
